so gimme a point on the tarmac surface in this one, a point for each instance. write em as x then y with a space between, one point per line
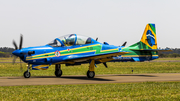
82 79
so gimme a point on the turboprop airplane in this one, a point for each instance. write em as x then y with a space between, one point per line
76 49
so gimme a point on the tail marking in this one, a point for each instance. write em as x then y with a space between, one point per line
149 36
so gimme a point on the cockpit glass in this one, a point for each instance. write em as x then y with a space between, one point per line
81 40
71 39
68 40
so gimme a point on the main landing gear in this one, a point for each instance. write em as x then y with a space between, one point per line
58 71
27 74
90 72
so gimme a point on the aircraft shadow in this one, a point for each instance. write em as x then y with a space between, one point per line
136 75
85 78
74 77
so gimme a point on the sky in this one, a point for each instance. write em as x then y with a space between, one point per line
112 21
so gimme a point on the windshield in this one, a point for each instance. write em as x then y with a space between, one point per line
55 43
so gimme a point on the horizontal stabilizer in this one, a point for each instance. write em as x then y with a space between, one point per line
155 50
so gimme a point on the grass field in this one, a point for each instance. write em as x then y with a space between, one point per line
156 91
8 69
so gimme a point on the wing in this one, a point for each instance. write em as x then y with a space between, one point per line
100 57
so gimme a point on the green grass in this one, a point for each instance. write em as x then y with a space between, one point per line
8 59
8 69
156 91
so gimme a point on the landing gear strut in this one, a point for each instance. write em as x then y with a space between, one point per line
90 72
27 74
58 71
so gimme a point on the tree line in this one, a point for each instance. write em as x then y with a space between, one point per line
7 52
174 53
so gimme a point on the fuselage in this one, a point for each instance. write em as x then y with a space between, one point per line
53 54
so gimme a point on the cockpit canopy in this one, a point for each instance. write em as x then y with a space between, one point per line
71 39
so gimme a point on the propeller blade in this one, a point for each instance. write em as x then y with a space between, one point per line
21 41
21 69
14 59
15 45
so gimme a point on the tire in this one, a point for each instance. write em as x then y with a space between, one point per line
27 74
90 74
58 73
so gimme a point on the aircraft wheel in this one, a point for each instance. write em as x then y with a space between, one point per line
90 74
27 74
58 73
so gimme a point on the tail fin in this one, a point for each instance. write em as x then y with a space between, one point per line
146 48
148 40
149 37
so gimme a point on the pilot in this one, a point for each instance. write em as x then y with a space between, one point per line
64 42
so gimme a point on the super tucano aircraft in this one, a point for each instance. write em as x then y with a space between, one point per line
74 49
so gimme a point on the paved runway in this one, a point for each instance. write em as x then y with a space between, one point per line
99 79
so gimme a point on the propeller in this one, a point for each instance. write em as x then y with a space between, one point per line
20 44
16 48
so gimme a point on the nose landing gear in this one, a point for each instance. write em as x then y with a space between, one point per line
27 74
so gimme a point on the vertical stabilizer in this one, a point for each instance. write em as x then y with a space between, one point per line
146 48
149 40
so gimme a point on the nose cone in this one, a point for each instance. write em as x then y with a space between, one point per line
16 52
